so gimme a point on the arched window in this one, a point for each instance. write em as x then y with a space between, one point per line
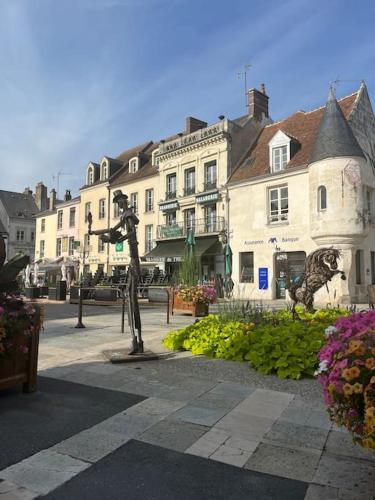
90 176
105 172
322 198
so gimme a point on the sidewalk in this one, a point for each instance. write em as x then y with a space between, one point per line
181 427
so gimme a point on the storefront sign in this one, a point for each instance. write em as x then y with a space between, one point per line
173 205
173 231
205 198
119 246
263 278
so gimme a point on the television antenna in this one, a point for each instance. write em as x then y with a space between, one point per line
243 74
56 177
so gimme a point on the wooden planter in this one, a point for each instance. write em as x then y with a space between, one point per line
195 309
20 368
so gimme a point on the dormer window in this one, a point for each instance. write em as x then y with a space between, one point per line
279 158
104 171
90 176
155 158
133 165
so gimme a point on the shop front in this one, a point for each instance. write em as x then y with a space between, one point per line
288 268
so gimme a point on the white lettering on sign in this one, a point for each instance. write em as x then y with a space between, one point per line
207 197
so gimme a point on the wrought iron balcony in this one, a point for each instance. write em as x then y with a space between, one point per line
189 190
201 227
170 195
208 186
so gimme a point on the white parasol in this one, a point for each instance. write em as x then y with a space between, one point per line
27 275
63 272
36 271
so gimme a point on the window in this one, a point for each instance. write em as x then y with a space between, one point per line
189 181
170 218
372 262
149 200
278 204
42 225
210 175
42 245
71 246
101 245
86 241
59 219
72 217
102 208
134 202
20 235
87 210
104 171
171 186
148 238
210 218
133 165
189 219
116 211
359 267
58 247
279 158
32 235
155 158
90 176
322 198
246 267
369 201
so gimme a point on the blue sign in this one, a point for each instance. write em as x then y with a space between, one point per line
263 278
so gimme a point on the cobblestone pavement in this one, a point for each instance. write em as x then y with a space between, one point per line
216 411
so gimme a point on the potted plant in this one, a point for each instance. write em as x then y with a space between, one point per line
193 299
347 374
20 323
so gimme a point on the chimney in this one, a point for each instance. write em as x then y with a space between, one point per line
52 199
27 191
67 195
257 103
193 124
41 198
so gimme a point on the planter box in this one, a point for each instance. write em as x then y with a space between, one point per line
106 294
32 292
19 368
195 309
43 291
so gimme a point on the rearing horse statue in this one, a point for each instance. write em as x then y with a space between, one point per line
320 267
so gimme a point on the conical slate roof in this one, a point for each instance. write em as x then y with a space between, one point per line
335 137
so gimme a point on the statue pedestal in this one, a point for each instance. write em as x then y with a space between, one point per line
123 356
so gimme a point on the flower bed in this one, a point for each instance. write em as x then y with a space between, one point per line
347 374
272 342
19 339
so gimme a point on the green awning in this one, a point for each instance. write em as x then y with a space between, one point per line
177 249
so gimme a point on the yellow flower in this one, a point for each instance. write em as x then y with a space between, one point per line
360 351
358 388
348 389
372 380
347 374
354 344
369 363
355 371
368 443
331 387
370 412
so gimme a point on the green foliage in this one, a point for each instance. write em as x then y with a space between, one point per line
190 271
273 343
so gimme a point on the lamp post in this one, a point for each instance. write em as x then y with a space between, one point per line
85 252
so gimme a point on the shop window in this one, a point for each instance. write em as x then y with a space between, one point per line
359 267
322 198
278 204
246 267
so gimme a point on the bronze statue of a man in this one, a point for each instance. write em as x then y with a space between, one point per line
128 223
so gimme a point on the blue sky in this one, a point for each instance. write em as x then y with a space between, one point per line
87 78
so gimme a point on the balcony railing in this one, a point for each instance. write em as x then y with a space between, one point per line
189 190
170 195
208 186
212 225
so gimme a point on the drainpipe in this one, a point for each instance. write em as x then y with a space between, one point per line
108 221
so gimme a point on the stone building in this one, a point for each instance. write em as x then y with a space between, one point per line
307 182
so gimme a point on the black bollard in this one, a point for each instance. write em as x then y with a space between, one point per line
80 324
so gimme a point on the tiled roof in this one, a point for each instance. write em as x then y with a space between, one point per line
146 170
18 204
302 126
2 228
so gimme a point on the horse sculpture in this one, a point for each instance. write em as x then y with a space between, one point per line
320 267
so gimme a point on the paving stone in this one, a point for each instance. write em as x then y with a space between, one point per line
296 436
232 456
208 443
129 426
242 444
199 415
173 434
10 491
156 406
232 389
91 445
213 400
319 492
245 426
342 444
263 403
284 462
43 471
356 476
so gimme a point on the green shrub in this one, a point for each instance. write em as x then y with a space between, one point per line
273 343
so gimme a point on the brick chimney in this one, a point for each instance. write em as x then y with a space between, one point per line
41 198
193 124
52 199
28 191
67 195
257 103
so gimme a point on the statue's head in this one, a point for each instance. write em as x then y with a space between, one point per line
120 198
331 256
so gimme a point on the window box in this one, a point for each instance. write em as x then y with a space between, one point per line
196 309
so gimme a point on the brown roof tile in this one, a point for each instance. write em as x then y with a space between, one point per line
302 126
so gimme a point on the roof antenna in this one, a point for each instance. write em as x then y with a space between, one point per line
243 74
57 179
